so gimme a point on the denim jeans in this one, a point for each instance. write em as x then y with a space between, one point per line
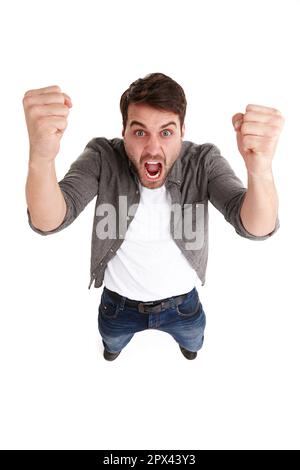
118 323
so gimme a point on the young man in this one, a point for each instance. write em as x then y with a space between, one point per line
150 229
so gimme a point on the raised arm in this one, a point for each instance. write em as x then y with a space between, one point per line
46 111
257 133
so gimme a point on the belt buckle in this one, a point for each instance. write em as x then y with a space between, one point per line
141 306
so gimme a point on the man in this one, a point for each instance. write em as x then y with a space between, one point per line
150 229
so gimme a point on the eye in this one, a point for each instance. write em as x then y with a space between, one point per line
165 132
136 132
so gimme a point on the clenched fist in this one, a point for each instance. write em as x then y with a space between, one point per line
46 111
258 131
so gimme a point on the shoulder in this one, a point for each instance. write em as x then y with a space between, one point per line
193 154
102 144
110 150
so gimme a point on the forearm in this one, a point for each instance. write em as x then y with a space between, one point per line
260 207
45 200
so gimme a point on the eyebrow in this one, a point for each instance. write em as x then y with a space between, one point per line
137 123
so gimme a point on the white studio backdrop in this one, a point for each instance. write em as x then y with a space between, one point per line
57 391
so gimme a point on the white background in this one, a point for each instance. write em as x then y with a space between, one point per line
57 391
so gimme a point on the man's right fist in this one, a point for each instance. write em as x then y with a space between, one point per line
46 111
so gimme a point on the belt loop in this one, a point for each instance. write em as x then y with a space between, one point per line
122 302
173 302
141 308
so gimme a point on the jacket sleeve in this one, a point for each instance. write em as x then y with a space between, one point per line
79 186
226 192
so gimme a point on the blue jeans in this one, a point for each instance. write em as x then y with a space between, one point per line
118 323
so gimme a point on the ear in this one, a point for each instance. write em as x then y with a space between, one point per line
183 130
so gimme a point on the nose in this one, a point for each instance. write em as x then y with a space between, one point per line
153 145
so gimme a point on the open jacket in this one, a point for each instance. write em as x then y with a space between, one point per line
200 174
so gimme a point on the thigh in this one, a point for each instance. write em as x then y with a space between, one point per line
186 322
114 319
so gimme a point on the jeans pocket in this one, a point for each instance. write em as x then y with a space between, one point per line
190 306
107 308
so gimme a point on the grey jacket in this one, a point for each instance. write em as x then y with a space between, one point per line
200 174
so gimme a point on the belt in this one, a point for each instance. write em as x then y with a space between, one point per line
154 306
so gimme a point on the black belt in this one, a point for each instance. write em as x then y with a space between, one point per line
154 306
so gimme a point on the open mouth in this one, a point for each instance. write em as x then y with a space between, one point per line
153 170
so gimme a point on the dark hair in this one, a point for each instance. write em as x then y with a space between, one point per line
157 90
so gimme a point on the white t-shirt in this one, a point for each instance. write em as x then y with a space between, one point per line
149 265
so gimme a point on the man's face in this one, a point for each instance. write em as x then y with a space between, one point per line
152 141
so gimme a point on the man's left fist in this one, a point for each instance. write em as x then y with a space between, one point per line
257 133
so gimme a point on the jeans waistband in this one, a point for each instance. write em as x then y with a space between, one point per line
153 306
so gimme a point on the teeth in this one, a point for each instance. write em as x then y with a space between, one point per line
152 162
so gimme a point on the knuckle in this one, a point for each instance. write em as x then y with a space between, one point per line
276 122
275 131
59 110
280 120
59 97
248 116
33 110
244 128
28 92
26 100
